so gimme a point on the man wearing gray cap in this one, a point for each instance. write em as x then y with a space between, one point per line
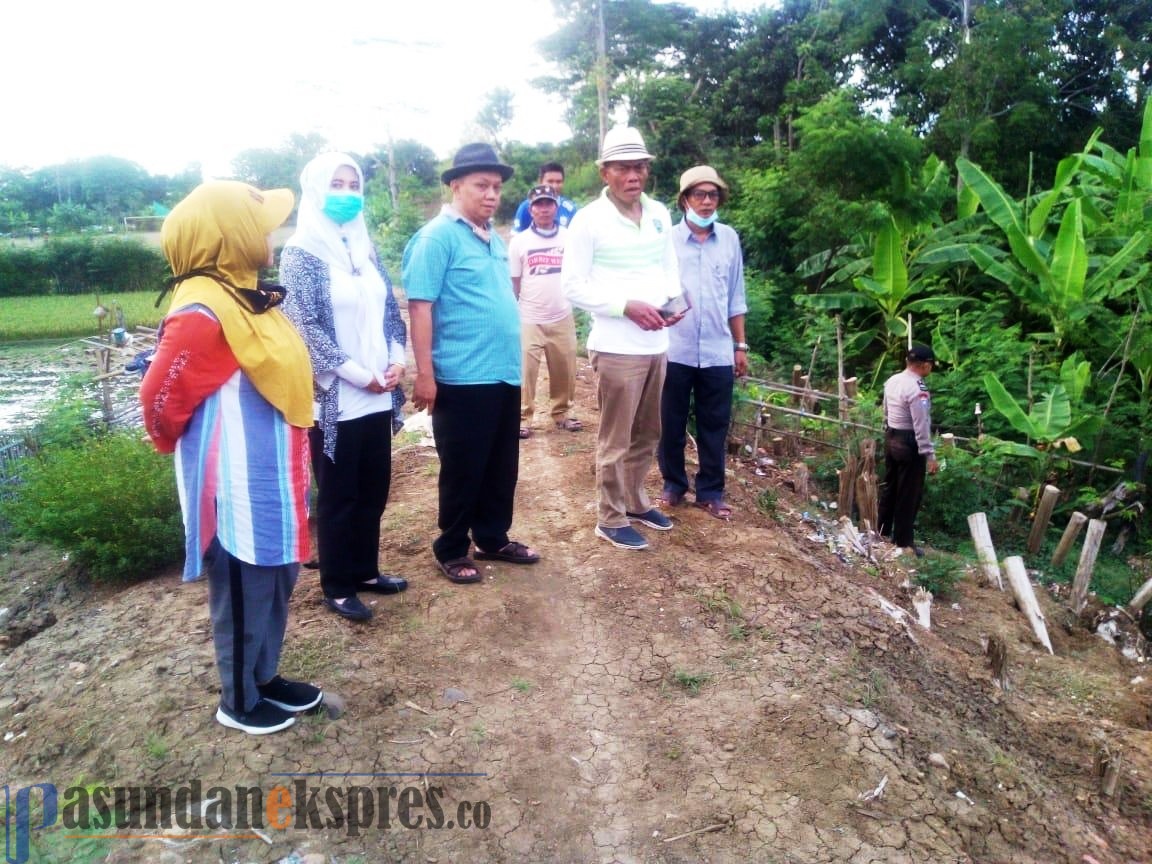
466 341
908 450
619 265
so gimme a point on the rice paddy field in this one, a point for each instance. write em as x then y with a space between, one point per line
70 316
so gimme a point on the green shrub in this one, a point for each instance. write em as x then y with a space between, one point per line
938 574
110 503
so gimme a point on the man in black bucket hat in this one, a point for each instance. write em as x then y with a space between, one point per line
908 450
466 339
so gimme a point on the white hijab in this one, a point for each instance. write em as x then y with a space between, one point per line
347 250
319 235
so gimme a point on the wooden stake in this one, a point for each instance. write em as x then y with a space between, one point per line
1071 532
866 485
1108 763
1043 517
997 653
802 480
985 551
1141 599
1087 564
922 603
848 474
1026 598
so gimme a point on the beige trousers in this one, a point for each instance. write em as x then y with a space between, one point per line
629 393
555 343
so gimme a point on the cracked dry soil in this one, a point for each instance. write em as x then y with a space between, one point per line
727 696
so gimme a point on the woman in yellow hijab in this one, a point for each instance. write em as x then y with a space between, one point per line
230 393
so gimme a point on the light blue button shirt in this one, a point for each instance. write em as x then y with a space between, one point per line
712 275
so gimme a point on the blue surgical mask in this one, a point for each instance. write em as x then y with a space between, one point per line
698 220
343 208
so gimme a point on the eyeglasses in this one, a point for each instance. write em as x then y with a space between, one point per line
704 195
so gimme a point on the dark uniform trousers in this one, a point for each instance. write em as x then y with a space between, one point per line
905 470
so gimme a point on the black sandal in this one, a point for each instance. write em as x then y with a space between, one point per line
512 552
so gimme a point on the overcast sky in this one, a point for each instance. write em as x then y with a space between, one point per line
167 85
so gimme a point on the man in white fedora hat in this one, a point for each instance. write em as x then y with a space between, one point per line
620 265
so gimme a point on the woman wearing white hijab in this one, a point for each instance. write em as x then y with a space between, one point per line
341 301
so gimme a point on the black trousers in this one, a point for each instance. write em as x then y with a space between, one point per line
477 429
903 490
353 491
710 391
248 605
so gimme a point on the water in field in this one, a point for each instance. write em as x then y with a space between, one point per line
34 374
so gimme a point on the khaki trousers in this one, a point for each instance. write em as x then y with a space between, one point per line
629 393
555 342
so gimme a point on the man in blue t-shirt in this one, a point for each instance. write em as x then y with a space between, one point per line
551 174
466 340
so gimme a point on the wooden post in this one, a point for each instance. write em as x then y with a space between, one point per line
1141 599
947 441
1043 517
802 480
1108 763
1071 532
1087 564
847 498
797 373
985 551
778 449
866 491
922 603
851 386
997 653
840 369
1026 598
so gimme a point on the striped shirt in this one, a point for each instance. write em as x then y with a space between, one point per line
609 260
242 475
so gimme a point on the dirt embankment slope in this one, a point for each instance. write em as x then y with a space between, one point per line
726 696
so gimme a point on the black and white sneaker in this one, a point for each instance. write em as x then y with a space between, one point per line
290 695
261 720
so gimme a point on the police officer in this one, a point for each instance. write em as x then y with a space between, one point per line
908 450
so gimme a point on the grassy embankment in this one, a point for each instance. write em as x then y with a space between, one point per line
68 317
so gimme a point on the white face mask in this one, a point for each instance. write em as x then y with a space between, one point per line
698 220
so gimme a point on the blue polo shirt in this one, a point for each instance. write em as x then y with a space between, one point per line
475 319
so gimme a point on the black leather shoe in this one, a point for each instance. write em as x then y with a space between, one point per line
351 608
384 584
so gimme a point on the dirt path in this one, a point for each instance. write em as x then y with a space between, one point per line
726 696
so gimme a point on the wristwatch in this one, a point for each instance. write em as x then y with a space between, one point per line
739 346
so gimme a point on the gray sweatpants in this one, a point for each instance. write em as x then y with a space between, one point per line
249 609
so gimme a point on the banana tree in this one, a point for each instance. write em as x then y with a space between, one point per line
1059 420
897 273
1100 236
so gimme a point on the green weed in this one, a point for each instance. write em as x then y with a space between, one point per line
690 682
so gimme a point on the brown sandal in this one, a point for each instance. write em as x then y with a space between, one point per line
455 568
716 508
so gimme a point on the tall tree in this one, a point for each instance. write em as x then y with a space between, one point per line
640 37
